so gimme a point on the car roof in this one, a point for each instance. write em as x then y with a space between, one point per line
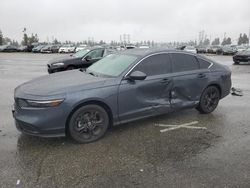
94 48
140 52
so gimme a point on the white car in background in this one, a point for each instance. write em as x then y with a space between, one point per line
69 48
241 48
144 47
81 47
190 49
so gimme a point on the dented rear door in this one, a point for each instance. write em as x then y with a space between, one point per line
188 80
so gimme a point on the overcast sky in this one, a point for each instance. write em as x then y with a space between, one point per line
159 20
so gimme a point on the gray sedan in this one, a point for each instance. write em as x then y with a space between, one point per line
119 88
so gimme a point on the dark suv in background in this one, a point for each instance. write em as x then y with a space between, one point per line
81 59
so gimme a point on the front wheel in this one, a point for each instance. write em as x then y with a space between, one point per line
88 123
209 100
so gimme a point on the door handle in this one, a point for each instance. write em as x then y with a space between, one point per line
165 81
201 75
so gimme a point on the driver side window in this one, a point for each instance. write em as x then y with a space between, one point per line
155 65
95 54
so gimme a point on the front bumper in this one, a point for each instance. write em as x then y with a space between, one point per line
40 122
54 69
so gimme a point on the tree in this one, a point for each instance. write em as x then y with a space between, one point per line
32 39
240 40
1 38
216 41
206 42
56 41
25 39
226 41
7 40
245 39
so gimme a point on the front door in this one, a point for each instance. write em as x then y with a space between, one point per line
142 98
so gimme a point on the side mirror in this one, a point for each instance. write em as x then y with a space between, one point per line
87 58
137 75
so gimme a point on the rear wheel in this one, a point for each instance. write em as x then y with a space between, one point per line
88 123
209 100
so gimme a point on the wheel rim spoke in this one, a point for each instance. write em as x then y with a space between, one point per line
211 98
89 124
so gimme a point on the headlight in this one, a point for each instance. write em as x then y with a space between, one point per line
57 64
22 103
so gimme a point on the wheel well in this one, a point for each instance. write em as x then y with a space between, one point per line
102 104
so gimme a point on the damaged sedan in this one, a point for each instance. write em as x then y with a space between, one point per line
120 88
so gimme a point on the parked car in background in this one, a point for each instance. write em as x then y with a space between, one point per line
190 49
201 49
8 48
227 50
243 56
22 49
130 46
38 48
81 47
50 49
241 48
213 49
69 48
81 59
31 46
120 88
144 46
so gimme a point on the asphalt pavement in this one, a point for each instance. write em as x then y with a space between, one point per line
214 152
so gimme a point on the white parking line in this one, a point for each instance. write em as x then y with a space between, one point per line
185 125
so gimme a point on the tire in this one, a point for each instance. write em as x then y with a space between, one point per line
209 100
88 123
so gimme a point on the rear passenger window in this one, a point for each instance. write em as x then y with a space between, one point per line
184 62
203 64
155 65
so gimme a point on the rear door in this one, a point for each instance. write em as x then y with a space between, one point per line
189 80
142 98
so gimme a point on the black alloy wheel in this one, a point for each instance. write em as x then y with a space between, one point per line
209 100
88 123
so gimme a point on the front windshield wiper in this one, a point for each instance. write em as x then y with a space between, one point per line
91 73
82 70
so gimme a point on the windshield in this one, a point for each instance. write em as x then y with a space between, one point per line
112 65
81 53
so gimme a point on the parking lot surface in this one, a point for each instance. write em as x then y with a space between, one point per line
137 154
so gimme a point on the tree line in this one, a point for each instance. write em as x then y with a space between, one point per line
33 38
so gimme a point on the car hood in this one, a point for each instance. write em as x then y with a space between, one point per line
63 59
60 83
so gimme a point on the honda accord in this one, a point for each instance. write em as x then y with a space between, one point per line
122 87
